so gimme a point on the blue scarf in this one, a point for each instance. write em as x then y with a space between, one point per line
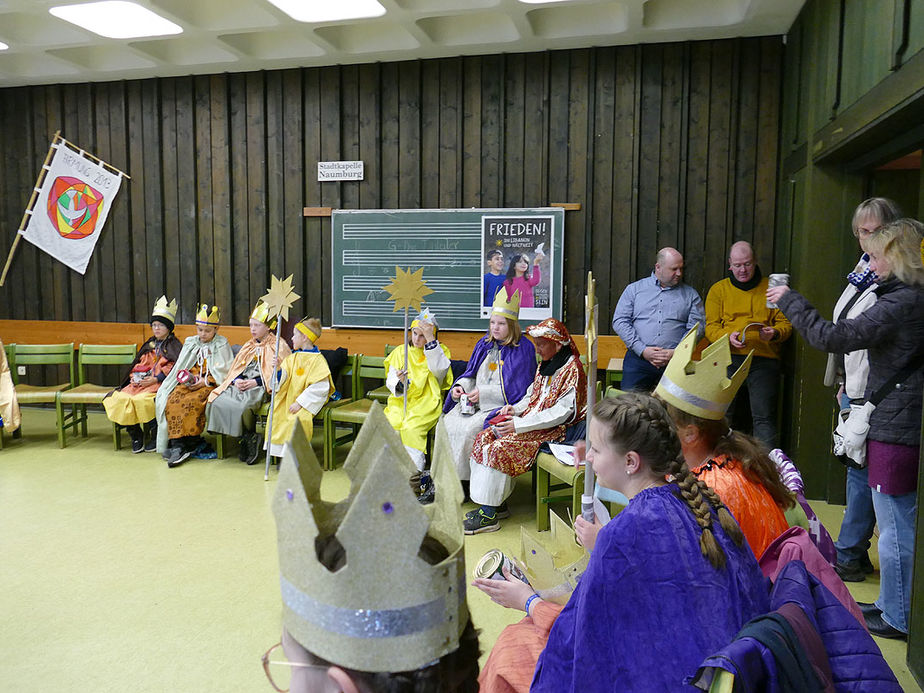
864 279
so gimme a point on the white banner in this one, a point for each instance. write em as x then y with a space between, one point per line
72 207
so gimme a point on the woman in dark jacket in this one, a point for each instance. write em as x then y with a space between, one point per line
892 330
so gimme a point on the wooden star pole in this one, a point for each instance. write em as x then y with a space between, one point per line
407 289
278 300
590 334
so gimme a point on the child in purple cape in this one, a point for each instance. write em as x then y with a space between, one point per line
670 579
499 372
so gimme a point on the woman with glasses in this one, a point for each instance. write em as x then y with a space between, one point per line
892 330
848 371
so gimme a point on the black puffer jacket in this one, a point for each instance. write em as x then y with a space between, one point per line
893 332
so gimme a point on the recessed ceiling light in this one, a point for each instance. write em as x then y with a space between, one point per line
3 46
336 11
541 2
116 19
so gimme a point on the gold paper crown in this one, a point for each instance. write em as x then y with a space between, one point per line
206 317
261 313
554 567
385 608
701 388
163 309
504 307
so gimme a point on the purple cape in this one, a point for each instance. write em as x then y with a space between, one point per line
650 606
517 371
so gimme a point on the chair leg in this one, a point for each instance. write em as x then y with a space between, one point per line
542 491
1 439
83 420
59 413
577 491
328 441
220 445
116 436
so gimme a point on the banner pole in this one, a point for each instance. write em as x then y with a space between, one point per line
35 192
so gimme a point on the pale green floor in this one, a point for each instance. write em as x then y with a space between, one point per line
119 574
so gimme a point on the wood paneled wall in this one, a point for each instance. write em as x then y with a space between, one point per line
662 144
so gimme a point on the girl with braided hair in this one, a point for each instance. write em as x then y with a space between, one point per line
669 579
737 467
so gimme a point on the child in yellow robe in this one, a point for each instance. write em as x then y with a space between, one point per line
304 386
427 376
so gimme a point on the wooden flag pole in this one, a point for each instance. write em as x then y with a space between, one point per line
35 193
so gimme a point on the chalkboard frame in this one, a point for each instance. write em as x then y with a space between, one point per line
366 246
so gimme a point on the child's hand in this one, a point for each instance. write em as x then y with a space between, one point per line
473 396
295 408
427 328
148 381
456 392
402 375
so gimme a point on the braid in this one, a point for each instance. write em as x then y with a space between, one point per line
641 423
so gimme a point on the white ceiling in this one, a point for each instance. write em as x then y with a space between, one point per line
242 35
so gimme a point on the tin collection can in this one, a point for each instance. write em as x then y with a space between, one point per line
777 279
491 565
466 408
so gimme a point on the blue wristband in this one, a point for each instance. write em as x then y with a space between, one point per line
432 345
530 601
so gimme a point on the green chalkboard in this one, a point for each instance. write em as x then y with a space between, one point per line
452 247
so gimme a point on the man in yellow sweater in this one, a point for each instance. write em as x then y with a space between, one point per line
737 306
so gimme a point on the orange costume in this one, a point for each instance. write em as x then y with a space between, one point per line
510 666
759 517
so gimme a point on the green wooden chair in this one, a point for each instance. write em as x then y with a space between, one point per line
343 418
41 355
89 393
382 393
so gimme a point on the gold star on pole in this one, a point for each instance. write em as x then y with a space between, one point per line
407 289
280 297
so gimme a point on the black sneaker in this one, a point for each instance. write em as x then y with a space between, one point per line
243 451
502 512
254 448
177 456
852 571
150 437
137 445
478 522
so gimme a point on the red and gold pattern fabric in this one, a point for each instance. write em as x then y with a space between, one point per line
513 454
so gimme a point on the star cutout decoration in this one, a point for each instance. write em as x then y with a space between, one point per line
280 297
407 289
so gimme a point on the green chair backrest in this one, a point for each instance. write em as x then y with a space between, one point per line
614 392
44 355
389 348
103 355
369 367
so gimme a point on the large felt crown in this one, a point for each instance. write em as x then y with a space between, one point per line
208 316
162 309
261 312
701 388
508 308
356 588
553 567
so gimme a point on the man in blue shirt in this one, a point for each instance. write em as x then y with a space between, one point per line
652 316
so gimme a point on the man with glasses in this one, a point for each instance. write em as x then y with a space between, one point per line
737 306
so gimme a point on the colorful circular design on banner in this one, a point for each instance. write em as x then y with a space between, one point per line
74 207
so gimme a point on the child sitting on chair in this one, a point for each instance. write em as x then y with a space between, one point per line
304 385
232 406
181 400
425 378
132 405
